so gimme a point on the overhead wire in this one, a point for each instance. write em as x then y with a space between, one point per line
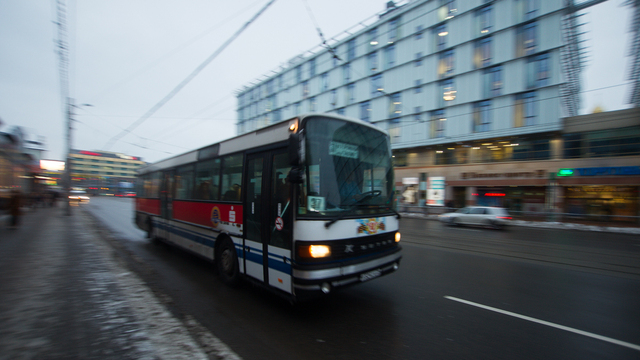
173 51
186 80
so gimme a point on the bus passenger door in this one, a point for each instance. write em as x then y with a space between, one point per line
268 219
166 205
280 217
253 249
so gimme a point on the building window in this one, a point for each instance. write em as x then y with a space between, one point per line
324 82
526 40
538 71
346 73
372 35
372 62
492 82
418 61
482 53
312 104
394 30
417 113
526 9
390 56
395 106
365 111
484 20
305 89
312 68
417 87
447 94
440 36
525 109
350 94
447 10
376 85
445 64
334 97
419 31
481 116
437 121
351 49
298 74
341 111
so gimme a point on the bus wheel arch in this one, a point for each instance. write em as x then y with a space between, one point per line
226 261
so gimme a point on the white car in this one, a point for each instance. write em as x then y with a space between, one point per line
79 196
493 217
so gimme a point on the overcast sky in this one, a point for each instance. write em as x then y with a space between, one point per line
126 55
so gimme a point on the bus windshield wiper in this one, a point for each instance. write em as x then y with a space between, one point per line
343 215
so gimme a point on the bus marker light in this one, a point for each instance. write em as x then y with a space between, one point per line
325 287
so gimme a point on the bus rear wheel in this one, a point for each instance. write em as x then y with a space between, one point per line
227 262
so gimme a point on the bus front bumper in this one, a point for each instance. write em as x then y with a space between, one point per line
313 283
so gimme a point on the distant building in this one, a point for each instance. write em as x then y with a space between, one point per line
102 171
481 95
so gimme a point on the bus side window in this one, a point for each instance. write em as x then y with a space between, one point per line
208 180
232 177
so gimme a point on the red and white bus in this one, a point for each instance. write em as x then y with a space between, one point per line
302 207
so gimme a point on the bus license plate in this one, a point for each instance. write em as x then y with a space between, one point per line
370 275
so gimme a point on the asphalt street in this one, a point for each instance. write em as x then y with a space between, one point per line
92 286
464 292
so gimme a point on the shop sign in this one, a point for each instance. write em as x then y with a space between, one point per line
435 191
565 172
603 171
520 174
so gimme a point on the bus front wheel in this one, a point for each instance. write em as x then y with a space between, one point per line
227 262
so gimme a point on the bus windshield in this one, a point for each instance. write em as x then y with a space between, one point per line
348 170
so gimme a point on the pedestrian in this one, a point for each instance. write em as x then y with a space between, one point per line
14 209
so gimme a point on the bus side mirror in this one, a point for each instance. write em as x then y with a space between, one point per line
296 175
295 153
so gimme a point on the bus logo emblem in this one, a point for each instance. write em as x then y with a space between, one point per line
370 226
215 216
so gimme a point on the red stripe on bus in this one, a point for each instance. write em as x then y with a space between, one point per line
151 206
202 213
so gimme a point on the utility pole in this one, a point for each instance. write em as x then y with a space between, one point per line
63 55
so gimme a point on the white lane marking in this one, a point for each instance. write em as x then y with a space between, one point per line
547 323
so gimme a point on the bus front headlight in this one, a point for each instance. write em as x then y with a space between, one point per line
398 236
314 251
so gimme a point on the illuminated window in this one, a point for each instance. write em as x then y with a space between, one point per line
440 36
446 64
525 109
372 35
447 93
482 53
372 63
484 20
377 86
526 40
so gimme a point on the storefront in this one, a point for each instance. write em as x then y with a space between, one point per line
607 192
